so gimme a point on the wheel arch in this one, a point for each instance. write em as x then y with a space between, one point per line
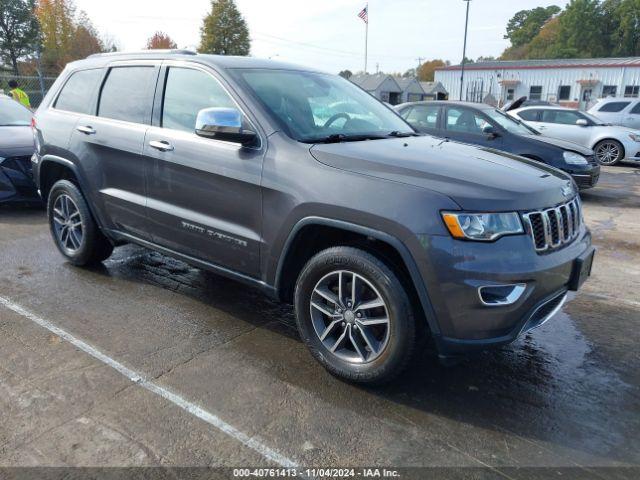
313 234
605 139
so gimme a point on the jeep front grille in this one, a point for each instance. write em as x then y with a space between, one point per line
554 227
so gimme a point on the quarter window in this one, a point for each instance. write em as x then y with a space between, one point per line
535 93
77 94
188 91
564 92
631 91
127 94
613 107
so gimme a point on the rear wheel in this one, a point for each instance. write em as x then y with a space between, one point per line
73 228
354 315
609 152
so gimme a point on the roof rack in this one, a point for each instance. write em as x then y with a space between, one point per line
146 52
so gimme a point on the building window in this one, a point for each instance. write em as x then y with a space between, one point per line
631 90
609 91
511 92
535 93
564 92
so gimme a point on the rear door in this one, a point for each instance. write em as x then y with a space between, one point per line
465 125
110 144
424 118
632 118
205 196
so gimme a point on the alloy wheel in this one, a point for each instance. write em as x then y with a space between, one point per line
67 224
607 153
350 317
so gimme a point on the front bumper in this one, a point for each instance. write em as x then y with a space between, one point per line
454 271
585 176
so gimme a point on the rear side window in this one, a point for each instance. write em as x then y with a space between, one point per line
636 109
127 94
186 93
563 117
529 115
613 107
76 95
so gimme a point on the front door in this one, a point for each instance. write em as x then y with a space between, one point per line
205 197
111 146
466 125
562 124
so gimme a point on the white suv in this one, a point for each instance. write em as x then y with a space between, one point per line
618 111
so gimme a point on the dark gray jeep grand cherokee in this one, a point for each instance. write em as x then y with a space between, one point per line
305 186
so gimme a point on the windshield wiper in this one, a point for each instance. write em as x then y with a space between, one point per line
341 137
398 134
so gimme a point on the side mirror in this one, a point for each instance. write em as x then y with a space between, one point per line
582 122
489 131
223 124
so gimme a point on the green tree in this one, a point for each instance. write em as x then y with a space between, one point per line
224 31
581 31
18 31
523 27
623 26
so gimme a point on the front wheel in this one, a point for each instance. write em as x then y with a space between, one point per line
73 228
609 152
354 315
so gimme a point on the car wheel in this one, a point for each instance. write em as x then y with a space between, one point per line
609 152
354 315
73 228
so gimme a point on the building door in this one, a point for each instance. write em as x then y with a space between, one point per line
585 98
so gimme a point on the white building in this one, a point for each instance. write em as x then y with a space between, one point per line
570 82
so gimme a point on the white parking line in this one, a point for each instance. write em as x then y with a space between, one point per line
139 379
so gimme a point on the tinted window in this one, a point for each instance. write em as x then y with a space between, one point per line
564 92
636 109
564 117
188 91
423 116
76 95
465 121
127 94
535 93
529 115
613 107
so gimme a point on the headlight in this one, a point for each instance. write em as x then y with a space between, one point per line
573 158
634 137
482 226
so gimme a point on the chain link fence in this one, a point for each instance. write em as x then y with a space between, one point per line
30 84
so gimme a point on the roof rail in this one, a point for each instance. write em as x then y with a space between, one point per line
148 52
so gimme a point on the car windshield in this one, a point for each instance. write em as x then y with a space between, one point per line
510 124
12 114
315 107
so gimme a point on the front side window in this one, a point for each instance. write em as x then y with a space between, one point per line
564 92
13 114
463 120
127 94
631 91
563 117
77 94
423 116
613 107
312 107
187 91
636 109
535 93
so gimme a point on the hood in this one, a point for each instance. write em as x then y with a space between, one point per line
16 141
564 144
475 178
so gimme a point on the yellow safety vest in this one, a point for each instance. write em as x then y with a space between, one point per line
21 97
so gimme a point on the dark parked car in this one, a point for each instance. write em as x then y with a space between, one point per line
489 127
16 148
249 168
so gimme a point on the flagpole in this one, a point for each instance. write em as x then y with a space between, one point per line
366 38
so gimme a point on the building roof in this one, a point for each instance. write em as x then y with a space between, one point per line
555 63
405 82
370 82
431 88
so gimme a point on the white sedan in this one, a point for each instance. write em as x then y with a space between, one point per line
610 143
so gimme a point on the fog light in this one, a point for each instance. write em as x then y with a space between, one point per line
501 295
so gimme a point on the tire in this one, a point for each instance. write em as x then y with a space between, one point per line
390 346
67 211
608 152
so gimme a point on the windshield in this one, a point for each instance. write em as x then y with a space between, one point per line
315 107
510 124
12 114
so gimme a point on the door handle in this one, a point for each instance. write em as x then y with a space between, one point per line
163 146
87 130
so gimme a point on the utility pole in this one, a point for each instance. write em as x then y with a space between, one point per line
419 59
464 48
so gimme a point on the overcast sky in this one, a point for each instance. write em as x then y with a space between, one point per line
326 34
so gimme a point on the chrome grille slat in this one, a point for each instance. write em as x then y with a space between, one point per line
554 227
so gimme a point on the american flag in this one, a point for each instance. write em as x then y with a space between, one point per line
364 14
